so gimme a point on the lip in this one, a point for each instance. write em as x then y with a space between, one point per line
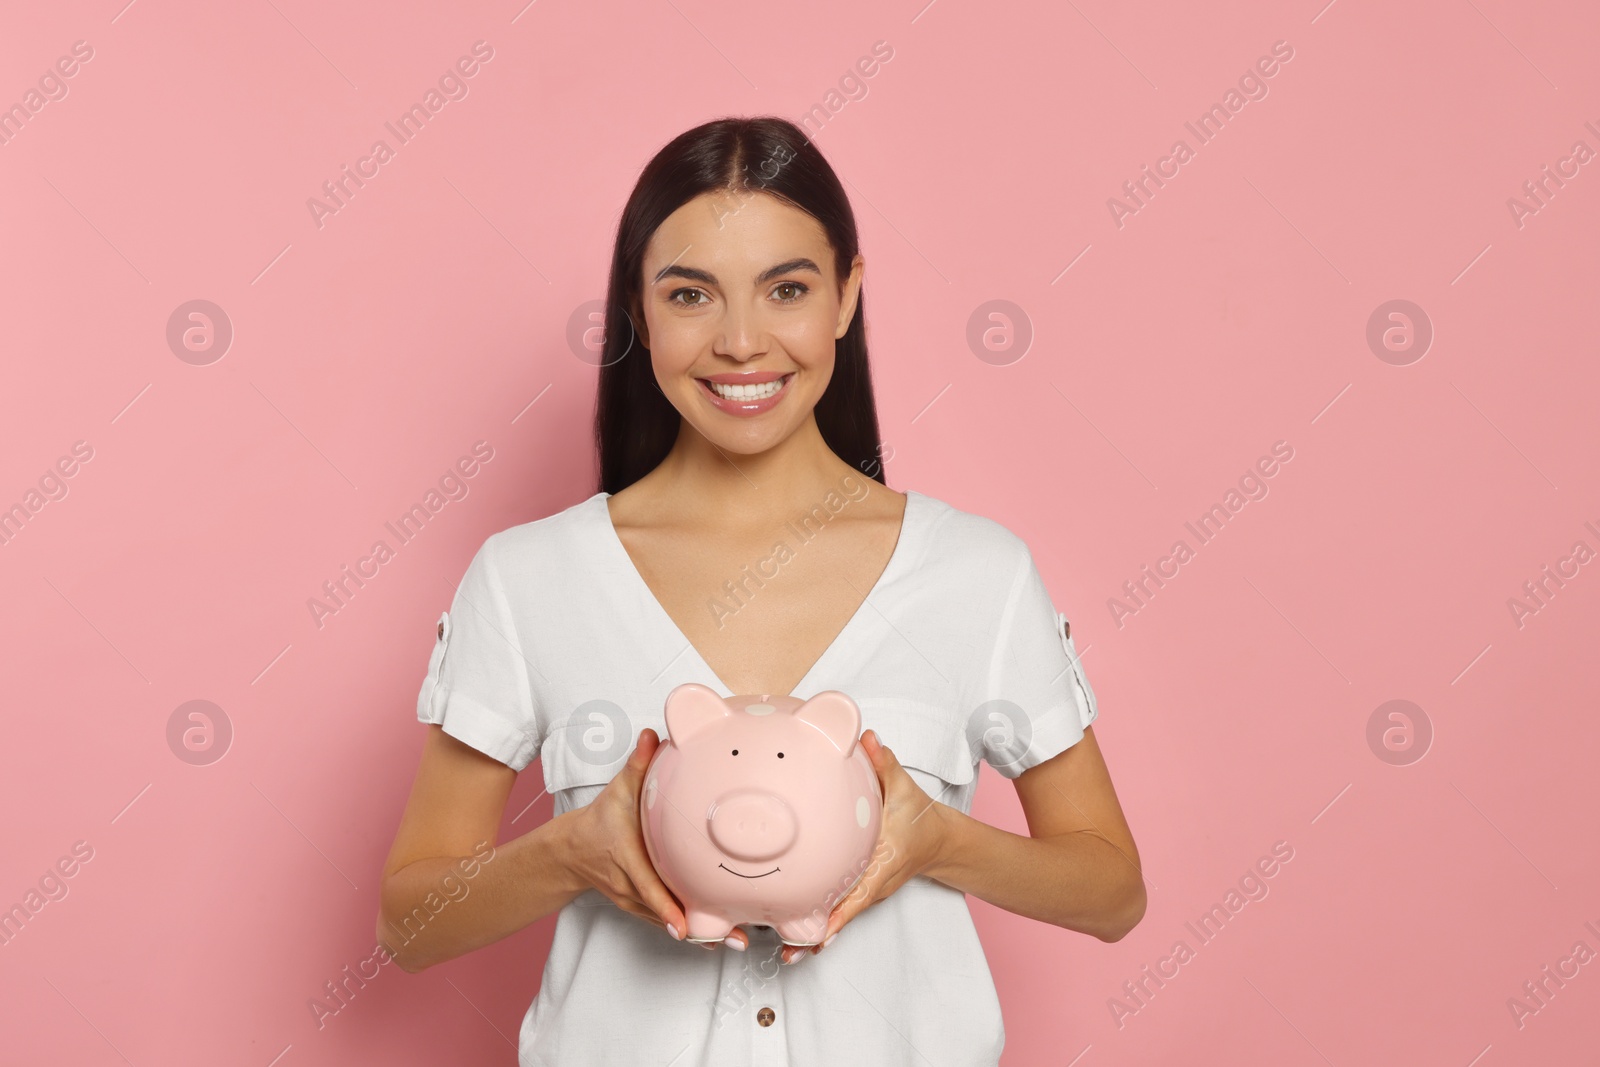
754 377
745 408
730 870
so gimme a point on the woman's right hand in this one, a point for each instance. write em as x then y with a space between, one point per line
608 850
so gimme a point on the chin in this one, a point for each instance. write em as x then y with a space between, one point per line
747 444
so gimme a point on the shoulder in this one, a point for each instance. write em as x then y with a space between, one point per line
967 537
968 558
551 541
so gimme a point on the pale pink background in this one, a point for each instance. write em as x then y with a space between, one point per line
1228 314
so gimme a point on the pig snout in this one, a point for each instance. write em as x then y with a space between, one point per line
752 825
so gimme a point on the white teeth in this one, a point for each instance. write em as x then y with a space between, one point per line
747 392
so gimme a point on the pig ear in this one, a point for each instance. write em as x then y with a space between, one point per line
836 716
690 708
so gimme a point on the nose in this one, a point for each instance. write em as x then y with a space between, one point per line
741 337
752 826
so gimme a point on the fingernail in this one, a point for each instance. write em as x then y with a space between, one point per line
829 939
673 930
733 942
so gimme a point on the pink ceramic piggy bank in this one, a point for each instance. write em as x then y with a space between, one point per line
760 809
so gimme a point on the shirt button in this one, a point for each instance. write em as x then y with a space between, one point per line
766 1016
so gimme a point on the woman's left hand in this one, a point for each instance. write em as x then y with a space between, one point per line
908 842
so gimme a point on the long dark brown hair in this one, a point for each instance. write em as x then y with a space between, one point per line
634 423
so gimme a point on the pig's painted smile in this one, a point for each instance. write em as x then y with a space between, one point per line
730 870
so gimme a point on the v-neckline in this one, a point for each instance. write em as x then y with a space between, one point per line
897 556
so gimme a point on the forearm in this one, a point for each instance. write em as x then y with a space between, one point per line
432 910
1079 881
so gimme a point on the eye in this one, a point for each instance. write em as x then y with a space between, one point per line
672 298
800 291
780 755
735 752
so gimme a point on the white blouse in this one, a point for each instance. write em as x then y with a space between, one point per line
554 647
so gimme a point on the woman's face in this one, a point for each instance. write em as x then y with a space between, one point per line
742 288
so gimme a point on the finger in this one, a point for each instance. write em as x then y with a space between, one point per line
649 889
642 912
648 916
886 755
628 903
643 750
625 895
883 759
838 919
872 745
863 894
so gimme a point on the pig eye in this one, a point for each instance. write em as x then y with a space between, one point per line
780 755
735 752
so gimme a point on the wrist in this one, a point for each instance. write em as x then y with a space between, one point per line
944 841
567 832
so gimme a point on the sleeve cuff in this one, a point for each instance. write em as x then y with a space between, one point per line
473 724
1053 733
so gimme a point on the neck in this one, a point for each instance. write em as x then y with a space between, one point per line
713 483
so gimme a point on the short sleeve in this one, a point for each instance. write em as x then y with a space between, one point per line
477 687
1036 682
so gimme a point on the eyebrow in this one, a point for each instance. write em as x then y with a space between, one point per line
695 274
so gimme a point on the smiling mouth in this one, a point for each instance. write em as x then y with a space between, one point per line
725 867
746 393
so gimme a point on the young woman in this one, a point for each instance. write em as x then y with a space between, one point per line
743 537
